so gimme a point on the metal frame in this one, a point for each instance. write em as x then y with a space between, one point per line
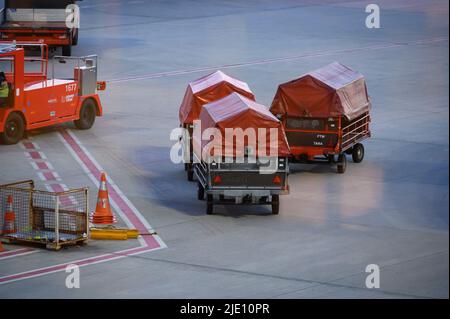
355 132
21 188
347 136
203 172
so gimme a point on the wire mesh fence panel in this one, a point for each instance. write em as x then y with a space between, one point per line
41 216
73 213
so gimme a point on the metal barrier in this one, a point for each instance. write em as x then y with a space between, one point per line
355 131
55 219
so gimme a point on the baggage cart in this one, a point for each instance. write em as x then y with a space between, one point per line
207 89
250 176
326 115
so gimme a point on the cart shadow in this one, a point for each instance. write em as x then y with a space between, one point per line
240 211
315 168
167 185
48 130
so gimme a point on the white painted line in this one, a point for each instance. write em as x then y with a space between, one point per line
31 251
95 180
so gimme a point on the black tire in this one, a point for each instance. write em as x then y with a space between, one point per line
200 191
275 204
13 130
349 151
330 158
67 50
342 163
190 173
209 204
358 153
87 115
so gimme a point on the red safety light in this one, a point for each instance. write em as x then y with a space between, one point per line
276 180
217 179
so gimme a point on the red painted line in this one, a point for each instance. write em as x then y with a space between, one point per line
35 155
15 252
29 145
49 176
42 165
149 240
149 244
83 262
57 188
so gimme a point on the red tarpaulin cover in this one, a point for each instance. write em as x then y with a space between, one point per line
208 89
237 111
334 90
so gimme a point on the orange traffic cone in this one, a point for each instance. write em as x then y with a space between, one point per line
103 213
9 225
1 247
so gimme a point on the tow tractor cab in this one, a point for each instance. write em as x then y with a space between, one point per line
36 100
246 170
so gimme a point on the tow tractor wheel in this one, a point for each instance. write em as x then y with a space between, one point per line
349 151
358 153
190 173
209 204
342 163
13 130
200 191
275 204
87 115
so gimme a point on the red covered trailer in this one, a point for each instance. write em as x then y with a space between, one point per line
325 113
251 168
204 90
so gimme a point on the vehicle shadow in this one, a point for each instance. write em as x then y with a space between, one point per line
166 184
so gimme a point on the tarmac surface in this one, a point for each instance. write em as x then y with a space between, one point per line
390 210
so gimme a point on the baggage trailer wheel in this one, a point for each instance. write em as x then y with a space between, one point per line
200 191
67 50
358 153
330 158
209 204
342 163
190 173
275 204
87 115
13 130
349 151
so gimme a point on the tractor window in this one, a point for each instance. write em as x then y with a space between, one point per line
7 66
312 124
38 4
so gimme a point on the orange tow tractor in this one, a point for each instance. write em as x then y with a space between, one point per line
36 100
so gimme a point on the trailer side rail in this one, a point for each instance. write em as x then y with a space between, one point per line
355 132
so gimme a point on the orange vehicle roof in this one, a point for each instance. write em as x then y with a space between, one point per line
207 89
333 90
237 111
